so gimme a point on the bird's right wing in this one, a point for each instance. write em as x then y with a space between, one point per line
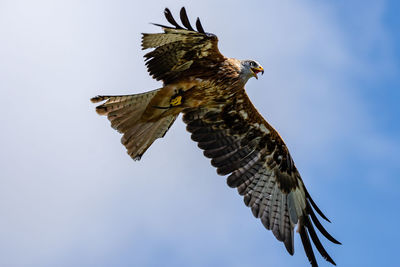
242 144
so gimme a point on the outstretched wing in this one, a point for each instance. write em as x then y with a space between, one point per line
181 52
241 143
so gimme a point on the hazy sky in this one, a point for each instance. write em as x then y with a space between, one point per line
71 196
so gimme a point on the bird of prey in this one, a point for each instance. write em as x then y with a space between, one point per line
208 89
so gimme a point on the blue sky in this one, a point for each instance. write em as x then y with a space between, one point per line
71 196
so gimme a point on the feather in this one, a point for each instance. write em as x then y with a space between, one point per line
232 166
170 18
185 19
250 189
231 157
178 49
240 176
317 242
315 206
140 136
199 26
153 40
282 215
214 136
247 180
259 165
320 227
289 241
307 246
118 102
217 152
293 213
256 194
272 207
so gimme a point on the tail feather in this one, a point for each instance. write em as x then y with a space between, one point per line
125 114
140 137
123 120
123 102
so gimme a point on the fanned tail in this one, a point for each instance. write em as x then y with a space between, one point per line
125 113
142 135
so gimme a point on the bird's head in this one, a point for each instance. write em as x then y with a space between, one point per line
250 68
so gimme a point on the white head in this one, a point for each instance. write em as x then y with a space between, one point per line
250 68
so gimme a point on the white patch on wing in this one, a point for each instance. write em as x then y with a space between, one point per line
264 129
204 50
243 114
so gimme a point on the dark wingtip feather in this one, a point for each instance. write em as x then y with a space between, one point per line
289 246
170 18
199 26
185 19
307 246
320 227
317 242
315 206
162 26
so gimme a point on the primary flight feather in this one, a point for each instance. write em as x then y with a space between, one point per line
208 89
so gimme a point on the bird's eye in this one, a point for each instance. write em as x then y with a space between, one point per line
252 64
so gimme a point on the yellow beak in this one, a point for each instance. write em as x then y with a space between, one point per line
257 70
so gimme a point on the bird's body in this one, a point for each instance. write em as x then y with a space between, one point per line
208 89
200 90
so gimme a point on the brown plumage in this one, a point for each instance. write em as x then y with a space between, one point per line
208 89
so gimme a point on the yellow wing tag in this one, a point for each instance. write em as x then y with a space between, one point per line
176 101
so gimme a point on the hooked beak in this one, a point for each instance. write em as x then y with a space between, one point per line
257 70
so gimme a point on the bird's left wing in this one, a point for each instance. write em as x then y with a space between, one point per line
180 52
242 144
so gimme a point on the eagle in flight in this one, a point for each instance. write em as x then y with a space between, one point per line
208 89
